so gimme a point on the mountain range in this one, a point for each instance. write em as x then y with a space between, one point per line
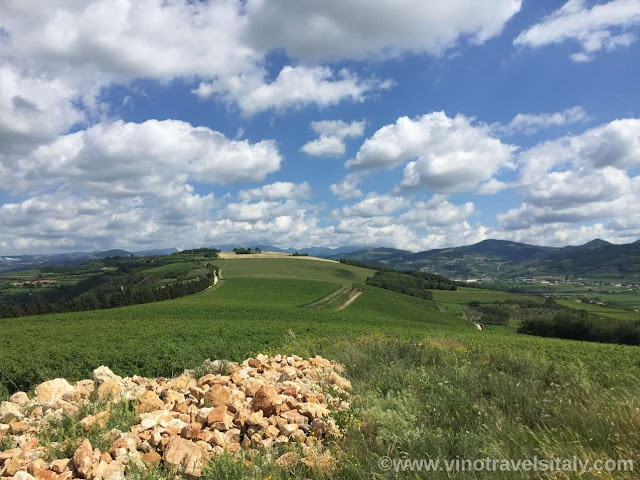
507 260
498 259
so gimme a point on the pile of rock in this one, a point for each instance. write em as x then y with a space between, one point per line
260 404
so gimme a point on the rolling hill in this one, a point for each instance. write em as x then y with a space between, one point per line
427 382
505 259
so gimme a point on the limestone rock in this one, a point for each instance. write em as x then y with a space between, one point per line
103 374
84 388
149 402
62 465
181 453
51 392
98 420
340 382
266 400
9 412
217 395
83 459
109 390
19 398
22 475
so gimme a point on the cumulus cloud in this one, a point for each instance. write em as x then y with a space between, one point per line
334 29
438 212
574 181
294 87
373 205
332 135
33 108
602 26
530 123
615 144
277 190
136 158
444 154
492 186
125 184
86 46
348 187
66 221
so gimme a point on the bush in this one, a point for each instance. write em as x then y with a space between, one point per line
580 326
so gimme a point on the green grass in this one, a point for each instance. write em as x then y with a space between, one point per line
174 268
601 310
292 267
452 309
427 384
465 295
243 317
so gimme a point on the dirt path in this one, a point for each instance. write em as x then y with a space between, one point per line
352 298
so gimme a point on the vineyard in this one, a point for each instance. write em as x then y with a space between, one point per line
420 370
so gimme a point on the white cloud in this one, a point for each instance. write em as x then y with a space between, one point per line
339 128
601 27
276 191
325 147
437 212
294 87
33 108
65 221
577 182
358 29
332 135
529 123
58 56
492 186
446 154
615 144
348 187
137 158
90 45
107 41
373 205
389 231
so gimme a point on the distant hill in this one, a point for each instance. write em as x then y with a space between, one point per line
111 253
14 263
505 259
313 251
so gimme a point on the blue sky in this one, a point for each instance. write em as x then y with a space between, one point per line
153 124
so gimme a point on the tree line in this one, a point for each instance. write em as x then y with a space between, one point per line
579 325
111 290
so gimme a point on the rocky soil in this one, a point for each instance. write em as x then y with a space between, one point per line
275 404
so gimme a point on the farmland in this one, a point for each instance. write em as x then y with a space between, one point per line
427 383
466 295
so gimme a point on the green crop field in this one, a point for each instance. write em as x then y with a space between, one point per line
427 384
293 267
174 268
465 295
601 310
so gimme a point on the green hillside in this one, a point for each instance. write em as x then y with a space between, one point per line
292 267
427 383
504 259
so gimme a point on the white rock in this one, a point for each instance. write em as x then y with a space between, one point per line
22 475
102 374
51 392
9 412
19 398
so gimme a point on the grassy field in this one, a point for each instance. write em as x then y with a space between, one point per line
465 295
427 383
174 268
292 267
601 310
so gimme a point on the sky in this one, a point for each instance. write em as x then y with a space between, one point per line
141 124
